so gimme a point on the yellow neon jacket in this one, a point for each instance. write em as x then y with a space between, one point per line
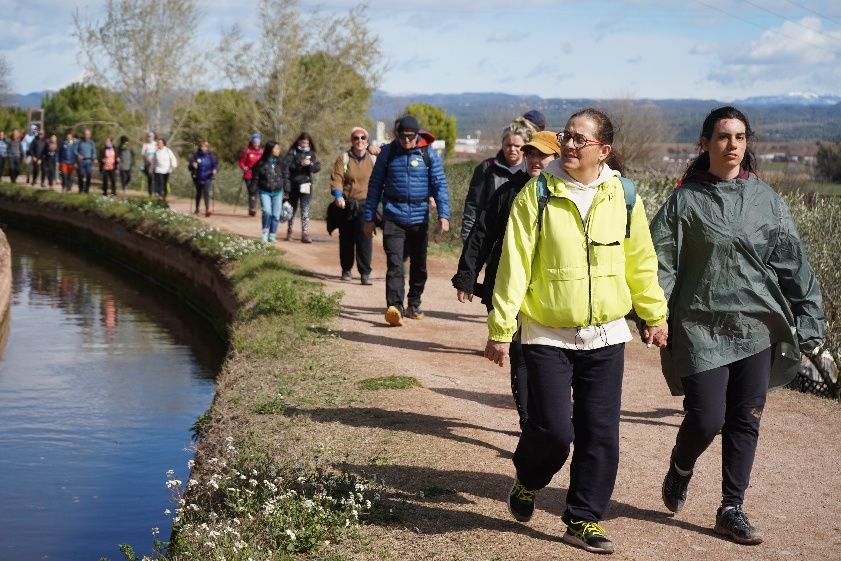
575 274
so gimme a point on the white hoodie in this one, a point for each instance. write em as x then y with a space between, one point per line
165 160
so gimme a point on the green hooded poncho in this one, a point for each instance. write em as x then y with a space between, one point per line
737 279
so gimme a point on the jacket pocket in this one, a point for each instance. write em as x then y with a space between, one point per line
607 258
567 274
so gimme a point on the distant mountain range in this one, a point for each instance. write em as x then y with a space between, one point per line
794 116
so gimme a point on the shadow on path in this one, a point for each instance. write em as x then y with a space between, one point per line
497 400
400 343
421 488
430 425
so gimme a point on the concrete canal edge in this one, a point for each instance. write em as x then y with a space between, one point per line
5 289
199 282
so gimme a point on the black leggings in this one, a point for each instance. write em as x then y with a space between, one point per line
203 191
125 178
729 399
109 177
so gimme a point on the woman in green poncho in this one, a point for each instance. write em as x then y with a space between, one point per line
743 303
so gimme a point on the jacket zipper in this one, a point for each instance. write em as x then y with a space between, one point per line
585 226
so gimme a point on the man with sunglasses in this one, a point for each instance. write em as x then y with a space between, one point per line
404 178
349 185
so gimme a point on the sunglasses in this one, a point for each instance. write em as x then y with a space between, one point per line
407 135
578 139
356 137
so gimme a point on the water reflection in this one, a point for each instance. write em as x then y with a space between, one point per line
102 376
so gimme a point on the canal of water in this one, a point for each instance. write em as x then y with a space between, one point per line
101 377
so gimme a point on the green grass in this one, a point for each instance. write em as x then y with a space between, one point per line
389 383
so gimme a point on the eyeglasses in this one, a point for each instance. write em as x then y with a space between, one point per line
407 135
355 137
578 139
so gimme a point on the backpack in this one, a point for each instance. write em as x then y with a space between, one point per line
628 186
346 160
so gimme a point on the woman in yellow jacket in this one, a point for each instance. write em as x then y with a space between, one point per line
571 271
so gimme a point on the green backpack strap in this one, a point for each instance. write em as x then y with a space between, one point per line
542 199
630 189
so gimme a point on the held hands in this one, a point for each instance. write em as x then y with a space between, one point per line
464 296
443 225
658 336
496 351
368 229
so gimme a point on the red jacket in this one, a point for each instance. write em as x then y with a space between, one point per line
249 159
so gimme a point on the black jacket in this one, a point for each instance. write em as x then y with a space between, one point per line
488 176
270 178
37 147
296 173
483 247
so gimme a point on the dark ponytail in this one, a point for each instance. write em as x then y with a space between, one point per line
604 133
702 162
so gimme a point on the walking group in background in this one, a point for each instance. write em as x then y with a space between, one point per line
719 281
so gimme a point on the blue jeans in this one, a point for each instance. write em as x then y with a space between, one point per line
270 203
85 172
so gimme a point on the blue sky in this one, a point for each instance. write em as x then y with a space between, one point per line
723 49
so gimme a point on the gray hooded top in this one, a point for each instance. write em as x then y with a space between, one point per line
737 279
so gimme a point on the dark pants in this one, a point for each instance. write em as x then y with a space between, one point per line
203 191
125 178
48 172
109 177
519 381
251 188
14 169
36 167
149 172
85 171
591 421
353 241
397 240
729 399
2 164
161 180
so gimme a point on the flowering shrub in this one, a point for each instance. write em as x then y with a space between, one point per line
238 507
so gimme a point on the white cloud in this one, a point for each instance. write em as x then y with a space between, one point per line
794 50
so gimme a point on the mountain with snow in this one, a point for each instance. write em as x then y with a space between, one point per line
792 98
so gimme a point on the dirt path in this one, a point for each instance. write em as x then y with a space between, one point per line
450 443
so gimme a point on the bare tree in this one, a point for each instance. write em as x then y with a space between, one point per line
311 71
5 73
143 50
640 131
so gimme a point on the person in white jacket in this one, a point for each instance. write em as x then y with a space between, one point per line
165 163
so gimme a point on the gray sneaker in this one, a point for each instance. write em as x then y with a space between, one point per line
675 488
733 522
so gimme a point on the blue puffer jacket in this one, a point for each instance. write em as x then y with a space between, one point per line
207 164
404 186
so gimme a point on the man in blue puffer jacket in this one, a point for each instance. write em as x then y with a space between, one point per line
404 178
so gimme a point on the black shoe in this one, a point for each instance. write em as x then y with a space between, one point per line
732 521
346 275
252 212
587 535
366 280
675 487
521 501
414 312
